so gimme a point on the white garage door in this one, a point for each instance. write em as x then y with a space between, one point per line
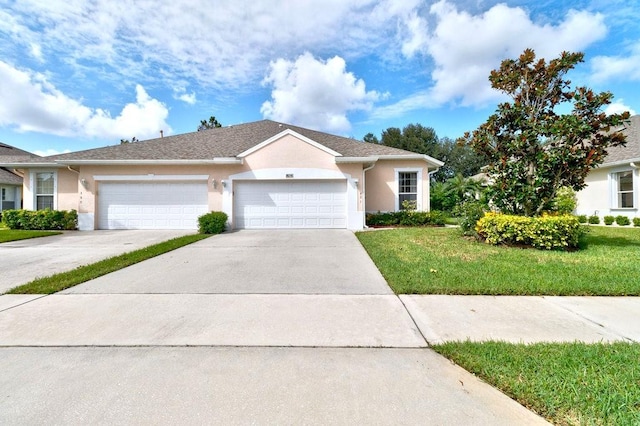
130 205
290 204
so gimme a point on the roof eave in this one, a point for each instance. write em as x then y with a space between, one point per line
621 162
216 160
430 160
29 165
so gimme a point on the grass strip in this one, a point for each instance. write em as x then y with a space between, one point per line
64 280
7 235
441 261
567 383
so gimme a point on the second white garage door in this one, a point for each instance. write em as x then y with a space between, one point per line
166 205
290 204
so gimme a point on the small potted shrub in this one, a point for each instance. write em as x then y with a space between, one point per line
622 220
608 220
594 220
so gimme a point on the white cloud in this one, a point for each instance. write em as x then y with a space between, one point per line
622 67
465 48
313 93
29 102
49 152
618 107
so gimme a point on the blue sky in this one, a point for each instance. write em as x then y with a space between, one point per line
78 74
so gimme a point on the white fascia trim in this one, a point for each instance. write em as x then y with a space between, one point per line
426 158
150 177
30 165
371 159
620 163
281 174
218 160
290 133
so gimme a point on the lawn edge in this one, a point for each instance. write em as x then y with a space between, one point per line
91 271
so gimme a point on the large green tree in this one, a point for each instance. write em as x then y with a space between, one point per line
532 145
211 123
458 158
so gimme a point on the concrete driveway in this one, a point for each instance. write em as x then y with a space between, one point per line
24 260
290 327
253 262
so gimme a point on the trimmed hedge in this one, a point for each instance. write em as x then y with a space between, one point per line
212 223
39 220
594 220
406 218
583 218
622 220
636 221
544 232
608 220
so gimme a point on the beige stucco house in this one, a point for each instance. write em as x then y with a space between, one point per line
11 180
614 187
262 174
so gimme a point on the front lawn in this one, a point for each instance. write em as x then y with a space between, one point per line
440 261
7 235
567 383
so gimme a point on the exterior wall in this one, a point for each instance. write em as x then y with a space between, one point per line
599 195
68 187
381 187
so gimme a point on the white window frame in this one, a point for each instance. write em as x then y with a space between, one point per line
396 187
615 188
34 187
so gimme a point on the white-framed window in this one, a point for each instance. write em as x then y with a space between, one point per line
44 190
623 185
408 185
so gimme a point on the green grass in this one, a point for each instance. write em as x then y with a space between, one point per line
440 261
63 280
7 235
568 384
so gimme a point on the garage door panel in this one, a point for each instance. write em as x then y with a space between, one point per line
290 204
134 205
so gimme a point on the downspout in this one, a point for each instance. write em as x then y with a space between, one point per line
73 170
431 173
364 193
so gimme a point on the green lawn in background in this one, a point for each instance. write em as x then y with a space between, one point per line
441 261
63 280
567 383
7 235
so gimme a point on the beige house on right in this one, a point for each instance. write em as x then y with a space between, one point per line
614 187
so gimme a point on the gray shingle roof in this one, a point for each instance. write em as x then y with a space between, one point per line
223 142
630 152
9 178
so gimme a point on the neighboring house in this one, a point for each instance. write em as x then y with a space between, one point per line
614 187
11 180
262 174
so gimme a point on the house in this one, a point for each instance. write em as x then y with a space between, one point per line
262 174
11 180
614 187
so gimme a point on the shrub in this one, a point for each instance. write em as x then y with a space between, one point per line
406 218
544 232
41 219
608 220
582 218
565 201
636 221
594 220
470 213
622 220
212 223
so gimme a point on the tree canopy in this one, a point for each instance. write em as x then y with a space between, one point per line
458 158
211 123
532 147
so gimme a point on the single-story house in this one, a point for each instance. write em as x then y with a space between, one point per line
614 187
11 180
263 174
